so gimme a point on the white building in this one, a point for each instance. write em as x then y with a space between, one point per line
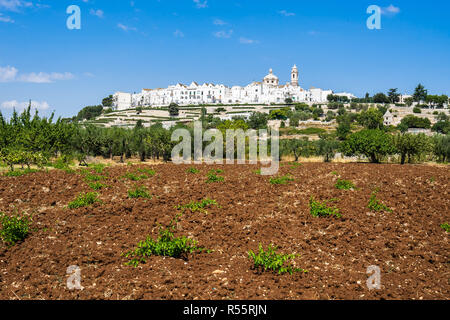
269 91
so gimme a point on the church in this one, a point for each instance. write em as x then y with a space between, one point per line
268 91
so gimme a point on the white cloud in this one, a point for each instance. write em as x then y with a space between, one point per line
43 77
14 5
286 14
391 10
219 22
178 34
223 34
8 74
247 41
201 4
126 28
6 19
43 105
11 74
99 13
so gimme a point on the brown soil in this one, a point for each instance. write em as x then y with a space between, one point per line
408 245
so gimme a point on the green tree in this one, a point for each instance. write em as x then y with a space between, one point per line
409 101
420 93
258 120
174 110
371 119
108 101
411 121
442 147
380 98
410 145
393 95
374 144
280 114
327 147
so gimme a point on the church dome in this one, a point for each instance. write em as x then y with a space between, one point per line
271 78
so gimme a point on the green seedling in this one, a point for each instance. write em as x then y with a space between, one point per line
271 261
14 228
84 200
321 209
166 245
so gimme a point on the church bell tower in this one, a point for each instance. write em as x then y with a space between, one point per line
294 76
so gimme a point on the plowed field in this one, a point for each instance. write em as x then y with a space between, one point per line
407 244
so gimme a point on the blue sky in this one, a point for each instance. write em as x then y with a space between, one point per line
128 45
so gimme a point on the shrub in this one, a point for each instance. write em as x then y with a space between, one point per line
446 227
98 167
376 205
19 173
192 170
212 177
166 245
139 192
135 177
281 180
272 261
320 209
417 110
63 162
96 186
148 172
14 228
89 177
198 206
344 185
84 200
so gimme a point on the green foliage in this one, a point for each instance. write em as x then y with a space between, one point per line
446 227
134 176
166 245
417 110
321 209
280 114
270 260
374 144
19 173
327 147
380 98
281 180
63 163
84 200
96 186
411 145
345 185
371 119
441 147
139 192
89 113
376 205
192 170
442 127
14 228
147 171
420 93
14 156
213 176
414 122
98 168
200 206
174 110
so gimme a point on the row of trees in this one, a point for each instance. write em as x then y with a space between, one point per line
393 96
374 144
30 139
